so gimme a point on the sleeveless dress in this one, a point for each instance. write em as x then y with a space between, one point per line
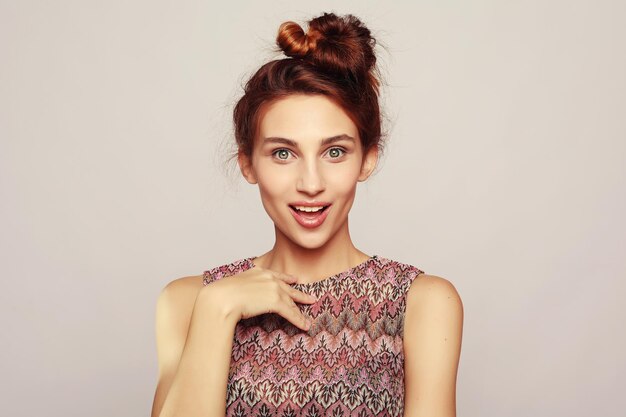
349 363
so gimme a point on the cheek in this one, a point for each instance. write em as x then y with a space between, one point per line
343 176
273 182
342 187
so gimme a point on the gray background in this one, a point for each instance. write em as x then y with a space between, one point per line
505 173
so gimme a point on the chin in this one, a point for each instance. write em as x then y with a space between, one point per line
312 244
309 239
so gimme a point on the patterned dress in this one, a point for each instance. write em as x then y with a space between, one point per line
349 363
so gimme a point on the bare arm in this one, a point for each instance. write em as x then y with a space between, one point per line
195 327
194 385
432 341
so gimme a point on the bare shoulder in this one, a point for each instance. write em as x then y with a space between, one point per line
183 287
173 314
433 290
433 331
177 298
433 301
174 309
175 304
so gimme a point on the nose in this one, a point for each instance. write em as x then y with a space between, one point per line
310 180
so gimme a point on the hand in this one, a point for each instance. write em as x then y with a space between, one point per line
258 291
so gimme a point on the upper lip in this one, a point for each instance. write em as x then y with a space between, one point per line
310 204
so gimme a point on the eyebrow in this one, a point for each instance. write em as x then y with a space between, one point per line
327 141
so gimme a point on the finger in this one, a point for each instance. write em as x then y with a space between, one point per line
297 295
290 311
289 279
303 298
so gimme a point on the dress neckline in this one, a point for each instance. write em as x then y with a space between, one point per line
251 264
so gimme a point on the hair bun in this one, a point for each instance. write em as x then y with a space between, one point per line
338 44
293 41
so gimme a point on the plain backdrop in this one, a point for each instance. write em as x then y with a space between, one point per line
505 173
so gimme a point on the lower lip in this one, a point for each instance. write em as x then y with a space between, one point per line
309 223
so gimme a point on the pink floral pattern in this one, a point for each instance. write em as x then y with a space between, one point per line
349 363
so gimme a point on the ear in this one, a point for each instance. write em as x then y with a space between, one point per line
369 163
247 170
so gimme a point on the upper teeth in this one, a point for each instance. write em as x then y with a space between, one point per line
309 209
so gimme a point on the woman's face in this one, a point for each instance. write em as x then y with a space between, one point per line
307 151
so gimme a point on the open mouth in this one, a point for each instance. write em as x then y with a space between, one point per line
309 212
309 217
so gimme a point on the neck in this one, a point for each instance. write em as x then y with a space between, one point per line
312 264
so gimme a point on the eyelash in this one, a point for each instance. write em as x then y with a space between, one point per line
285 149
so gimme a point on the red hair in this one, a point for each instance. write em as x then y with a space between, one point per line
335 58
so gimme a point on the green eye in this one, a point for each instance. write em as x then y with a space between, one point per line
336 152
282 153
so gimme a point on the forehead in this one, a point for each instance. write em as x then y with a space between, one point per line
305 117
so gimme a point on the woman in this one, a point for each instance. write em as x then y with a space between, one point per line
314 326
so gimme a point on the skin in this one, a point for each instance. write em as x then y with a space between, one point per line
307 170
